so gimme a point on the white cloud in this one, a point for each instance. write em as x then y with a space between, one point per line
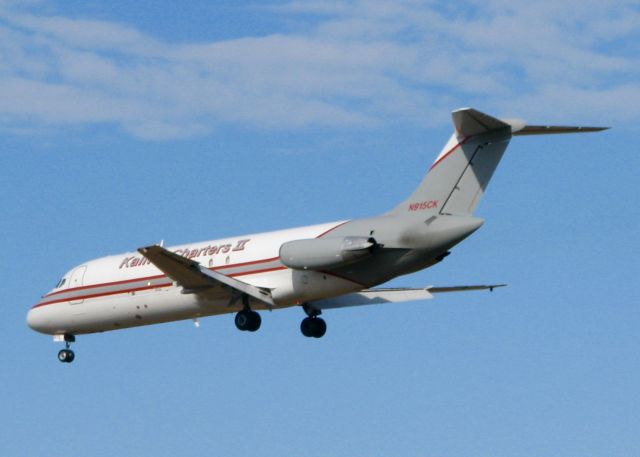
360 63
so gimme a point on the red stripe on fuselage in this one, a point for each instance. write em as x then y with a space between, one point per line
243 264
102 294
150 278
332 229
105 284
147 278
253 272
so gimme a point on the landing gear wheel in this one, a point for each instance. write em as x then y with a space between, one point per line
66 356
247 320
255 321
321 328
306 326
242 320
313 327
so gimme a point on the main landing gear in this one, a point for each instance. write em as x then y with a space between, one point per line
67 355
247 320
313 326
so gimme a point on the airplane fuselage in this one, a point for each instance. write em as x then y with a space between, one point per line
127 290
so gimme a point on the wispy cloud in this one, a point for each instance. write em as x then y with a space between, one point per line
359 63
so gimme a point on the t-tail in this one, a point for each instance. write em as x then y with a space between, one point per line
458 178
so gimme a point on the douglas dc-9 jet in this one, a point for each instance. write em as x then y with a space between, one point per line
319 267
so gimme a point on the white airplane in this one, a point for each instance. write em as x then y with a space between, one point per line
318 267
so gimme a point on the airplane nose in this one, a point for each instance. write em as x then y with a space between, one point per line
35 320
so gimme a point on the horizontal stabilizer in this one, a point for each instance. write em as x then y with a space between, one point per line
469 122
552 129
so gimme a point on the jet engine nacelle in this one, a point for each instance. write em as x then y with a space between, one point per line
325 253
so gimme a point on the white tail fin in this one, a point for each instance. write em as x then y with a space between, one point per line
457 179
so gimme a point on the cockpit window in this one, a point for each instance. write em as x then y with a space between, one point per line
61 283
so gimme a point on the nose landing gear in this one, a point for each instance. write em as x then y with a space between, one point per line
67 355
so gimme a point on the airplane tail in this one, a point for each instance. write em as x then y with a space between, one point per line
458 178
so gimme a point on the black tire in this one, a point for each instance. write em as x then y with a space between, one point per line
254 321
243 320
66 356
307 327
320 328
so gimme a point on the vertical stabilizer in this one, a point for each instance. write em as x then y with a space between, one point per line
457 179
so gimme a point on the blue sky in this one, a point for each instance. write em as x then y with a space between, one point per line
129 122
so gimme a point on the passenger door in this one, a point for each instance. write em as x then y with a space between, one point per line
76 280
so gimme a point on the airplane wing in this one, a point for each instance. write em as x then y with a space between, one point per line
377 296
195 278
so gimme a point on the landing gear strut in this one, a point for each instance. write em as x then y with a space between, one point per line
313 326
67 355
247 320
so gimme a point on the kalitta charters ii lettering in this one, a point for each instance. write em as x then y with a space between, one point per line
209 250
